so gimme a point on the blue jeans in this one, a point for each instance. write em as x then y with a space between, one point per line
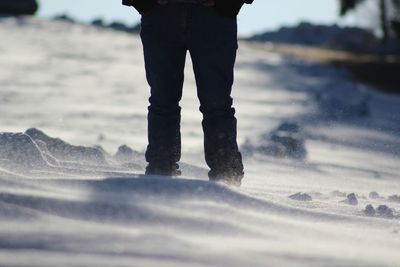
168 33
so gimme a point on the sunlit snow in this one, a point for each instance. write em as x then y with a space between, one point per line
321 151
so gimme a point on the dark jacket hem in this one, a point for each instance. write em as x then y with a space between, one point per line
142 6
225 8
230 8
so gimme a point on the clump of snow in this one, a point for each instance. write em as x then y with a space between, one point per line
381 211
317 194
337 193
301 197
129 157
394 198
370 210
286 141
374 195
351 199
385 211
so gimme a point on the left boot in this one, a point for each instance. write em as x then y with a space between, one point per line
230 177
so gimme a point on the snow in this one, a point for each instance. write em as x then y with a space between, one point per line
71 195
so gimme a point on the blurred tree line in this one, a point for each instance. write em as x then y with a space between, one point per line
389 15
18 7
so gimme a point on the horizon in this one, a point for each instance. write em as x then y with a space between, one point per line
272 15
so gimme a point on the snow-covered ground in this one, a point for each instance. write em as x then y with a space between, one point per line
310 135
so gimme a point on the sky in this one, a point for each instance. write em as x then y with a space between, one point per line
262 15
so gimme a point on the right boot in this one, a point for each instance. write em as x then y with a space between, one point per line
163 169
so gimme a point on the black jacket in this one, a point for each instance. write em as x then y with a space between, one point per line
226 8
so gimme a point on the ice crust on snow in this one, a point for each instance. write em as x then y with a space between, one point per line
34 151
66 152
21 150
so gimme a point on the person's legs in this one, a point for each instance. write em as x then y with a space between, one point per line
213 45
164 53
